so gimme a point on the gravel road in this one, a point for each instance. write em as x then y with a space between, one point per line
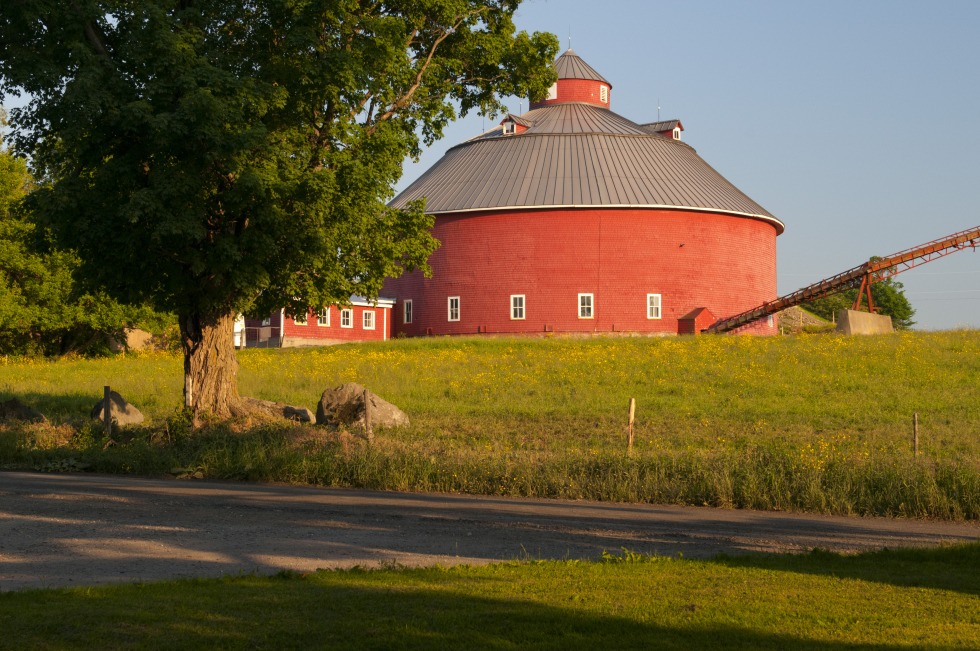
78 529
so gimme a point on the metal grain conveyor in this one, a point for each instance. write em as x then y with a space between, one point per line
862 277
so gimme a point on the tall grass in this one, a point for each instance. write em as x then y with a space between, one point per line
815 423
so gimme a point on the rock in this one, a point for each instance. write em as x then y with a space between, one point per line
299 414
14 409
122 412
280 410
132 339
266 406
345 406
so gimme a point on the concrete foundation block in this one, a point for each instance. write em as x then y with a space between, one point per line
852 322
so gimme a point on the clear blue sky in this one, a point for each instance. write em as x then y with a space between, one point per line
856 123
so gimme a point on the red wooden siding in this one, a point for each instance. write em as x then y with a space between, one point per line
578 90
294 334
724 263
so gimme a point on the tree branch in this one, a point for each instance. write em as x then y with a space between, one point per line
92 36
368 97
93 39
406 98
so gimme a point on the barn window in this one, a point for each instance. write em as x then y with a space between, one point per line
323 317
510 128
653 306
585 306
677 133
300 320
407 311
347 318
454 308
604 94
267 321
517 306
368 320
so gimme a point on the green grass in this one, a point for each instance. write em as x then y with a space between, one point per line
883 600
815 423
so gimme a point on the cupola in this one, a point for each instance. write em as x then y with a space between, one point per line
577 82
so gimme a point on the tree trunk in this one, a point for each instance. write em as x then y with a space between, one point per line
210 366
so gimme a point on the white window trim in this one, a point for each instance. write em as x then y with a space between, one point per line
368 315
604 94
407 311
320 320
349 314
301 320
267 321
510 127
677 133
449 308
514 308
658 307
591 314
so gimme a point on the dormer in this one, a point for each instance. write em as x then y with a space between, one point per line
577 82
668 128
513 125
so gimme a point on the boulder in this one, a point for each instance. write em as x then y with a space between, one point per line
299 414
280 410
14 409
345 405
132 339
122 412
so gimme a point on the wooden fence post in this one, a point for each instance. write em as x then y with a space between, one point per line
629 446
915 434
367 417
107 411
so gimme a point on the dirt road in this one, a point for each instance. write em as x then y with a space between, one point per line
64 530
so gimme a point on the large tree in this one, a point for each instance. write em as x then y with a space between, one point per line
223 156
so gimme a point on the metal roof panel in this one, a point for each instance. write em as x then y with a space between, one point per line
577 155
571 66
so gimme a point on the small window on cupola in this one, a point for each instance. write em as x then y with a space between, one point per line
604 94
510 127
677 133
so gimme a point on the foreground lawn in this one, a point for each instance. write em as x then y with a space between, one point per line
816 423
883 600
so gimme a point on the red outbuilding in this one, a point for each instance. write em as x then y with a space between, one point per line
360 320
570 218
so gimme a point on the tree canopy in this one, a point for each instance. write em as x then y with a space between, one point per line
216 156
44 309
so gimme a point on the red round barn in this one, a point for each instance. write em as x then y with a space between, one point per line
571 218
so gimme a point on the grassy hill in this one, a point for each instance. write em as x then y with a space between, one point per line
818 423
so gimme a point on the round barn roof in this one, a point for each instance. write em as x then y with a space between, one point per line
576 155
